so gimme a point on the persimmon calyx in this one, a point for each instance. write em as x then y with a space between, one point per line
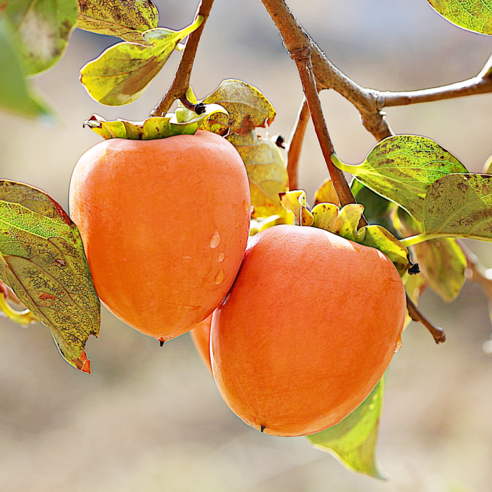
183 122
344 222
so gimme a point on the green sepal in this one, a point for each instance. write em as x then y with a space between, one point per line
345 222
353 441
152 128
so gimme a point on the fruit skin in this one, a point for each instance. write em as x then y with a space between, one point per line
201 339
164 225
307 330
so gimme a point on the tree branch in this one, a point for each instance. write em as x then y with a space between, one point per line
295 144
481 84
181 80
416 315
302 58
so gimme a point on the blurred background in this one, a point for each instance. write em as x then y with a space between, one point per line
151 419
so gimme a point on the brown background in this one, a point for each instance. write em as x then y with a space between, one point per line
151 419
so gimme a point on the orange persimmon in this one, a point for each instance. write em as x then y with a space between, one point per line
164 225
307 330
201 339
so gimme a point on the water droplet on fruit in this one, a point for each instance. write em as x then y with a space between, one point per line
398 345
221 257
219 278
215 240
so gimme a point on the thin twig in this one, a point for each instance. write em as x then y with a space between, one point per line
481 84
416 315
295 144
302 57
181 80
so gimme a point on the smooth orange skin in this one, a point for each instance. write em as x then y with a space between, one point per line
201 339
307 330
164 224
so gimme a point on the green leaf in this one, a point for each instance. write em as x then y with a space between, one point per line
460 205
474 15
377 210
154 127
15 93
42 29
266 172
126 19
353 441
441 261
401 169
121 74
248 108
42 260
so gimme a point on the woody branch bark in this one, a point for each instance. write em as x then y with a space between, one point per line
182 78
317 72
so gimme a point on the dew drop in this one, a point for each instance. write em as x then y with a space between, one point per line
215 239
219 278
221 257
398 345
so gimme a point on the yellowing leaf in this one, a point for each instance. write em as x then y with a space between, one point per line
247 107
266 172
295 202
42 260
126 19
474 15
42 29
121 74
353 441
326 193
460 205
401 169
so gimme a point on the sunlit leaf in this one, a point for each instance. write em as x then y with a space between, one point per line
126 19
121 74
474 15
15 93
460 205
42 260
266 172
154 127
248 108
41 28
353 441
326 193
441 261
257 226
401 169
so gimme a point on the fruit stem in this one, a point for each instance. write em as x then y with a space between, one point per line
436 331
198 108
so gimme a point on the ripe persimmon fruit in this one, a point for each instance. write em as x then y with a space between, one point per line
164 224
307 330
201 339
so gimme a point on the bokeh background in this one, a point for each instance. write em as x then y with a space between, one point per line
151 419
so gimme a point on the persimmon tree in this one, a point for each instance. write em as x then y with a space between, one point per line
410 198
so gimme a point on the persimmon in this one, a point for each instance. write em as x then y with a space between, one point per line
201 339
164 224
307 330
